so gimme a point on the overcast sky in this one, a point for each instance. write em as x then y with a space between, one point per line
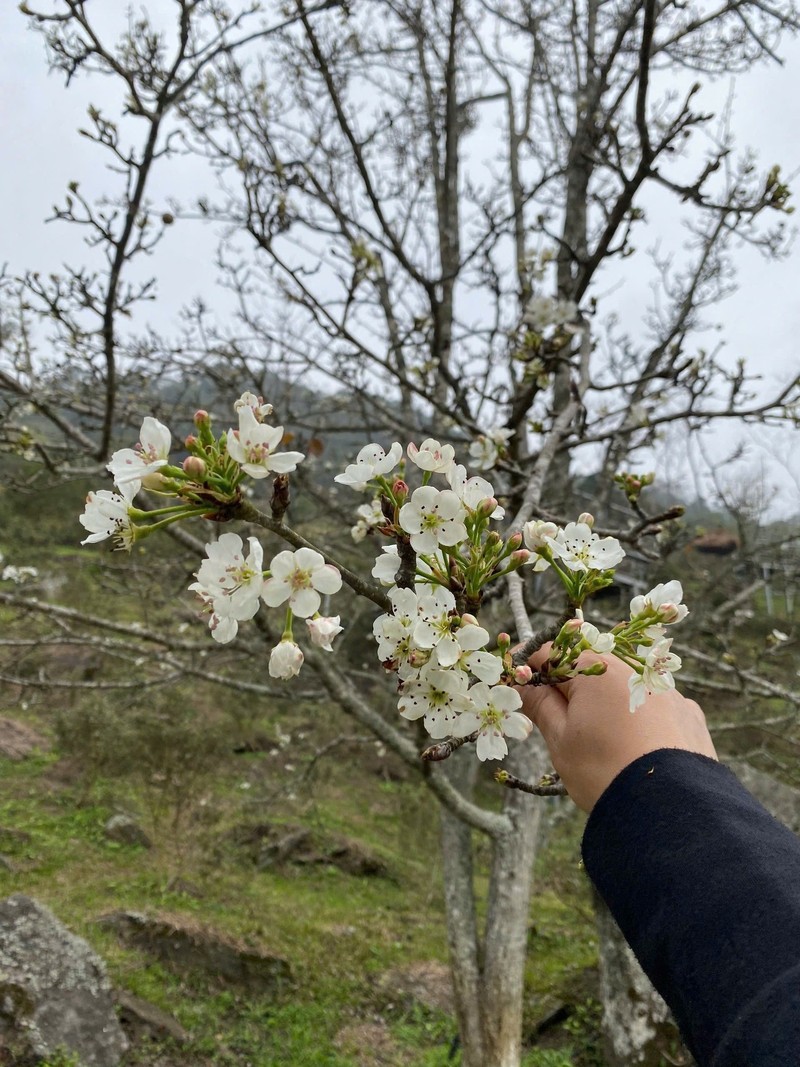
42 152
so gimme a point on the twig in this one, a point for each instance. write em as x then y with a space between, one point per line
549 785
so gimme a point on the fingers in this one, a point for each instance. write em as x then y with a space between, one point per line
547 709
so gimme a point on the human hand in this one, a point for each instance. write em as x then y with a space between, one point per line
592 735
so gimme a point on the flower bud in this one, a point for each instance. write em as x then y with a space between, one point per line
595 668
493 541
194 467
514 542
503 642
523 674
487 506
669 613
201 418
571 626
191 441
468 620
400 490
522 555
586 518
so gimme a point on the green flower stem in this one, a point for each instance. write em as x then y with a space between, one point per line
178 510
287 634
186 513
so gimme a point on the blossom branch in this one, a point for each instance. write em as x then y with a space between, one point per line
248 512
549 785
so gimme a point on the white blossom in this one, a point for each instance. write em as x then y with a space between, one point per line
300 577
256 404
131 466
664 600
433 517
537 533
323 629
656 677
369 516
18 575
596 641
495 716
472 491
106 515
485 450
431 456
229 584
433 628
253 446
544 311
387 564
371 462
285 660
580 549
472 641
439 695
394 632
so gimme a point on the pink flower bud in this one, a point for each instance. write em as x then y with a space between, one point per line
523 674
572 625
503 642
514 541
586 518
400 490
194 467
191 441
468 620
522 555
487 506
669 612
201 417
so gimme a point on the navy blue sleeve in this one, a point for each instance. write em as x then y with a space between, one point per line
705 886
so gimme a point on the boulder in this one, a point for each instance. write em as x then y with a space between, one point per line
126 831
142 1020
54 990
184 947
269 845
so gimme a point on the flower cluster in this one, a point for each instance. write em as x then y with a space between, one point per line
640 641
440 554
231 581
208 479
445 531
436 654
583 561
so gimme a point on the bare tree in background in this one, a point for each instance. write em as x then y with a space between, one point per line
422 205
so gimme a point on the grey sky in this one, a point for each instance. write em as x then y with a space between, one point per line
43 152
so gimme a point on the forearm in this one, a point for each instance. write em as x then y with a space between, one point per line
705 885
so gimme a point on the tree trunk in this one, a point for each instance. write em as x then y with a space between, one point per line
462 925
637 1024
488 973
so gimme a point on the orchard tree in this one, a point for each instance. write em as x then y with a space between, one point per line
422 205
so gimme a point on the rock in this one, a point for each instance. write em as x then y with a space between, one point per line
126 831
426 982
54 991
18 740
142 1020
270 845
780 800
183 947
